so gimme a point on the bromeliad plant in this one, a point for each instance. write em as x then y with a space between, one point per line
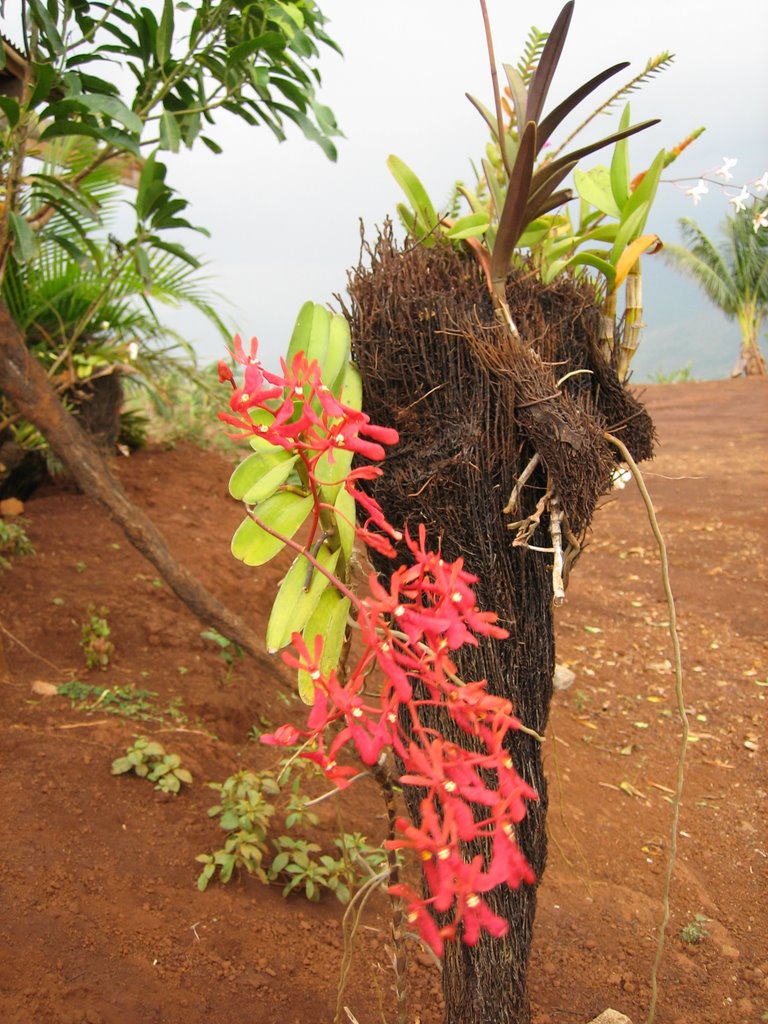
305 426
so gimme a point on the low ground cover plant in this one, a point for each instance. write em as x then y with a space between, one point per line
148 759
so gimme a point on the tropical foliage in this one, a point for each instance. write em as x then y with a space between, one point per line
733 273
90 101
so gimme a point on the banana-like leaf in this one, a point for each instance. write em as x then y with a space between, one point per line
328 620
260 475
296 601
283 512
595 187
550 57
511 221
552 121
620 165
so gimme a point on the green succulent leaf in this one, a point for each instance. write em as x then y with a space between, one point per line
595 187
283 512
260 475
328 620
298 597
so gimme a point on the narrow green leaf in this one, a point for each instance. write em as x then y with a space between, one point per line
10 109
164 37
113 108
170 133
44 79
48 26
415 192
620 165
25 244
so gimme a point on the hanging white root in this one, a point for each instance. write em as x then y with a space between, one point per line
556 533
524 476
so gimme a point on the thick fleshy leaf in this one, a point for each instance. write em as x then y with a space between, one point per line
620 165
328 620
284 512
345 512
298 597
595 186
474 225
352 389
259 476
301 332
415 192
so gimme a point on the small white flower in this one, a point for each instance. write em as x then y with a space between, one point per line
133 350
761 220
698 190
761 185
740 199
724 171
620 477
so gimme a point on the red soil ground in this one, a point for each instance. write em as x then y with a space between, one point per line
101 921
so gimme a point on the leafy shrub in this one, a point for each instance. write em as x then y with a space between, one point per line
14 542
245 814
148 759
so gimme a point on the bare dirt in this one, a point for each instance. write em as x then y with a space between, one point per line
100 918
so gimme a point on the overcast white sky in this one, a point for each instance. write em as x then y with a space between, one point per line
284 220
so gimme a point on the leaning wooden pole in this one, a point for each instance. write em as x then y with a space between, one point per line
25 384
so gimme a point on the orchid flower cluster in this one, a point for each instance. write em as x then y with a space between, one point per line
751 191
410 628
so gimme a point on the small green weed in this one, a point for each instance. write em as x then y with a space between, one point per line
229 651
245 810
97 646
126 701
148 760
695 930
14 542
679 376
